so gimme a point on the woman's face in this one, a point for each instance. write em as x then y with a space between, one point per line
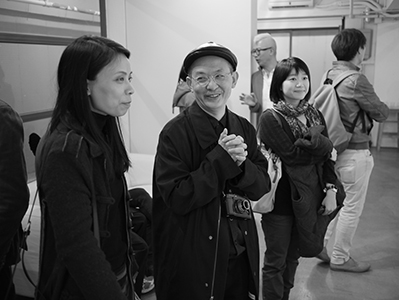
110 92
295 87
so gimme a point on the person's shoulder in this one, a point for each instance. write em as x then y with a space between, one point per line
8 113
267 114
240 118
68 142
177 123
257 73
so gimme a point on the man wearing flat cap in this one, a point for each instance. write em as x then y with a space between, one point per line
206 168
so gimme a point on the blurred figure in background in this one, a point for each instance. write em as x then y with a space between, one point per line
14 195
183 96
264 52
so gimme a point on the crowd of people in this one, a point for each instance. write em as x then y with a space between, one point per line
197 231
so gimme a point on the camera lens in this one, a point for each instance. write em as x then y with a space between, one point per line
242 206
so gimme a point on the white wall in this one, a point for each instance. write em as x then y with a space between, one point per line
160 34
386 81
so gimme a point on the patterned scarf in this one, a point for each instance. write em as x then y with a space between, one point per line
291 113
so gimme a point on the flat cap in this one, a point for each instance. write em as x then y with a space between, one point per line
209 49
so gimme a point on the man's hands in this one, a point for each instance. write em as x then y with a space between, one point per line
248 99
234 145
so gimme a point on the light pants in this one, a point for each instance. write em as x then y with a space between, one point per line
353 168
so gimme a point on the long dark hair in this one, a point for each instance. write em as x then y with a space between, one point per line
281 72
82 60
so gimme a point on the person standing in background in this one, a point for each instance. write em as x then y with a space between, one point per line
14 195
183 96
353 165
264 52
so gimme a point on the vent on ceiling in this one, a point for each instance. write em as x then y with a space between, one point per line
290 3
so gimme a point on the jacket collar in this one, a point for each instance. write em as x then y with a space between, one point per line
345 65
70 124
203 128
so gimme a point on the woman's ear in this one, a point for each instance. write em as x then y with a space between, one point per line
88 88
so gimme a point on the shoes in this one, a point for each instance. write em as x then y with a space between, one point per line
351 266
148 285
323 256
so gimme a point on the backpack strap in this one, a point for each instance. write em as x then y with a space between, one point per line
335 83
342 76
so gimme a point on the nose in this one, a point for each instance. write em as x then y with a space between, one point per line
130 90
212 82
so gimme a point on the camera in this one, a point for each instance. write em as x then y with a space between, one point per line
238 206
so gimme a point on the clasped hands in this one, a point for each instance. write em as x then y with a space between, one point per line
234 145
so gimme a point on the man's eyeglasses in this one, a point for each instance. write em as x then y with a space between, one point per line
204 80
256 52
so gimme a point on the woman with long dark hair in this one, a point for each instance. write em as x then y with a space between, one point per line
85 248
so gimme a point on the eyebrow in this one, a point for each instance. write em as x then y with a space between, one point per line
123 72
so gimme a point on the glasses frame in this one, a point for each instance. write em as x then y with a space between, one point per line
210 77
256 52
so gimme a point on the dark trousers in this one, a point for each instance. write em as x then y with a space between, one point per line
238 278
281 256
6 284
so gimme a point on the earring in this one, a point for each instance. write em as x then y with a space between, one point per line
88 92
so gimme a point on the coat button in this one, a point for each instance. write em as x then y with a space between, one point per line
210 237
246 232
206 284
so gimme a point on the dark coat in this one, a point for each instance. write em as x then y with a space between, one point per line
14 192
72 174
191 173
307 163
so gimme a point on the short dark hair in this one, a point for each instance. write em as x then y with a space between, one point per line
347 42
281 72
83 60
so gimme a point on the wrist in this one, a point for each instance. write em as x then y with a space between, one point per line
330 187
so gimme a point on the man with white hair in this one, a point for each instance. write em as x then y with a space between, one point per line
264 52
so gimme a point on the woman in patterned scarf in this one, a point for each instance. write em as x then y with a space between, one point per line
308 180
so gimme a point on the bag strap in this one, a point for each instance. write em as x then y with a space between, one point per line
274 112
342 76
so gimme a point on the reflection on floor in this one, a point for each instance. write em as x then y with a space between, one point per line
376 241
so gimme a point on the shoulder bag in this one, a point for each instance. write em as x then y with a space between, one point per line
266 203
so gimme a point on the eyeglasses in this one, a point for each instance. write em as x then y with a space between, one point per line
256 52
204 80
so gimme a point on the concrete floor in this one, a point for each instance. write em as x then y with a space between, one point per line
376 241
